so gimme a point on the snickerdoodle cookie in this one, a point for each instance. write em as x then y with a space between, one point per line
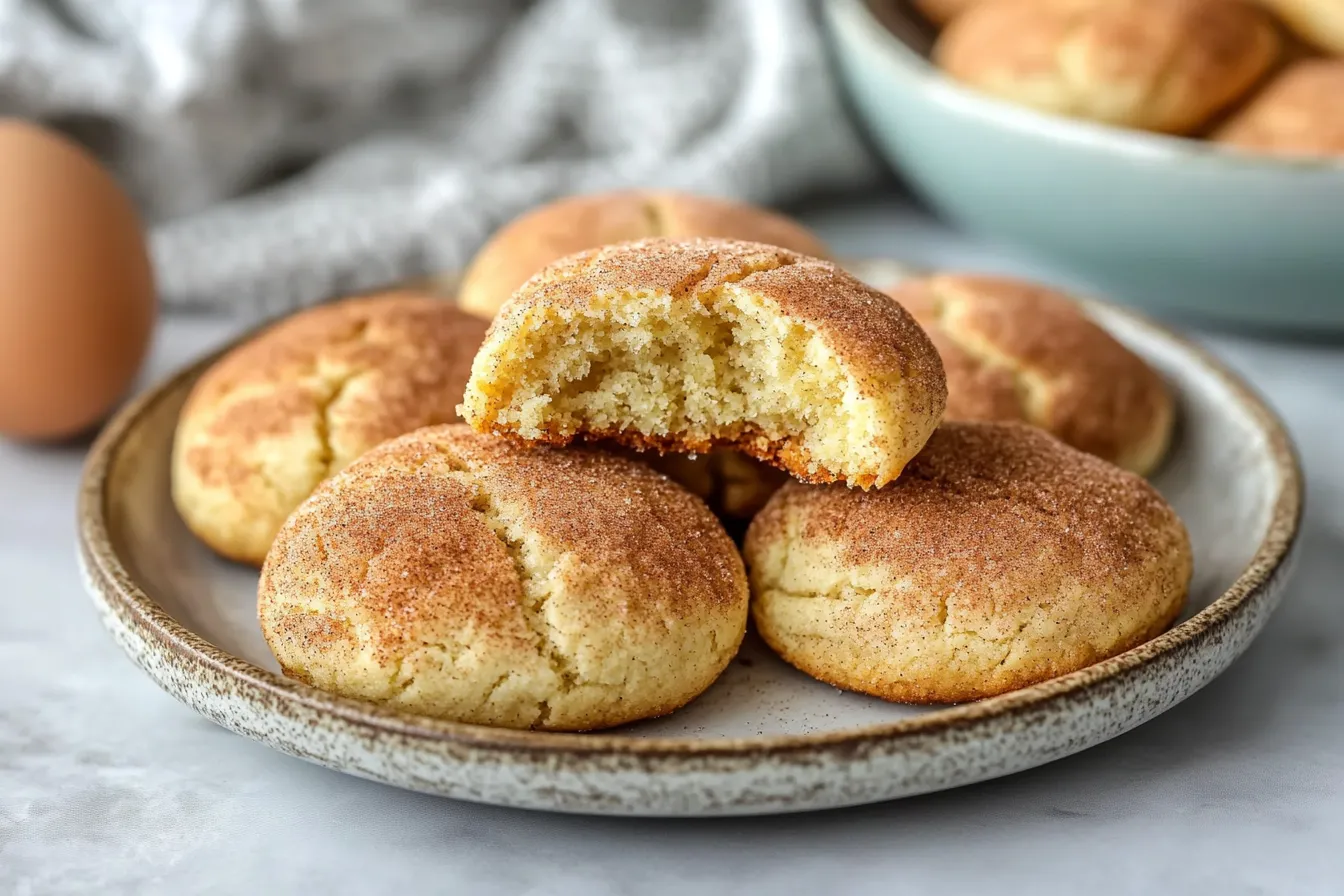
1299 113
940 12
1159 65
282 412
1001 558
1319 22
1015 350
475 579
552 231
734 486
695 345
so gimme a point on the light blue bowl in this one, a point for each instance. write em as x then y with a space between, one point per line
1178 226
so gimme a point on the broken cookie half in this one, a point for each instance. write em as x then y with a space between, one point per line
687 346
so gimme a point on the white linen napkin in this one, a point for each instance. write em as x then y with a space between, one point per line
289 150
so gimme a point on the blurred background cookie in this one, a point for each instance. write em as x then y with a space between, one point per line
470 578
701 344
550 232
940 12
1299 113
1015 350
1318 22
1158 65
734 486
282 412
1001 558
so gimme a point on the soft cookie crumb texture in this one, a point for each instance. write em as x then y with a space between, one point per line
687 346
470 578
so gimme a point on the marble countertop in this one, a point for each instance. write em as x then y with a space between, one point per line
107 785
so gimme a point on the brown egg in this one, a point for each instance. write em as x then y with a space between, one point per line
76 288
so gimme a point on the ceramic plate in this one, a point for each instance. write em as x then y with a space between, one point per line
764 738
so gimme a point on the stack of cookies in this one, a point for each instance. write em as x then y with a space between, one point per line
1262 76
942 483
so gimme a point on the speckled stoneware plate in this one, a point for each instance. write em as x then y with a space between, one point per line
764 738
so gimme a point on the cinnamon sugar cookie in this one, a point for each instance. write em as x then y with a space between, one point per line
279 414
575 223
1015 350
734 486
690 346
470 578
1159 65
1001 558
1319 22
1299 113
941 12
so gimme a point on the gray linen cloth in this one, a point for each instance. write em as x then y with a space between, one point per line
288 150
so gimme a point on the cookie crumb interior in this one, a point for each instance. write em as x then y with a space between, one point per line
723 368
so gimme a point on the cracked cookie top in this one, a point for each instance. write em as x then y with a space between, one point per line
854 319
1014 350
1000 558
470 578
280 413
576 223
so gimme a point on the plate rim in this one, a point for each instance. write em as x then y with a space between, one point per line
137 610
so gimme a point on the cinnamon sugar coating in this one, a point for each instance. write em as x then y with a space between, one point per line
940 12
1299 113
576 223
1159 65
686 346
470 578
1001 558
1318 22
734 485
280 413
1015 350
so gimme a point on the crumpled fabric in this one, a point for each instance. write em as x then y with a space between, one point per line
285 151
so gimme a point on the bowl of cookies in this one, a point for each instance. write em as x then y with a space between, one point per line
639 516
1182 155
